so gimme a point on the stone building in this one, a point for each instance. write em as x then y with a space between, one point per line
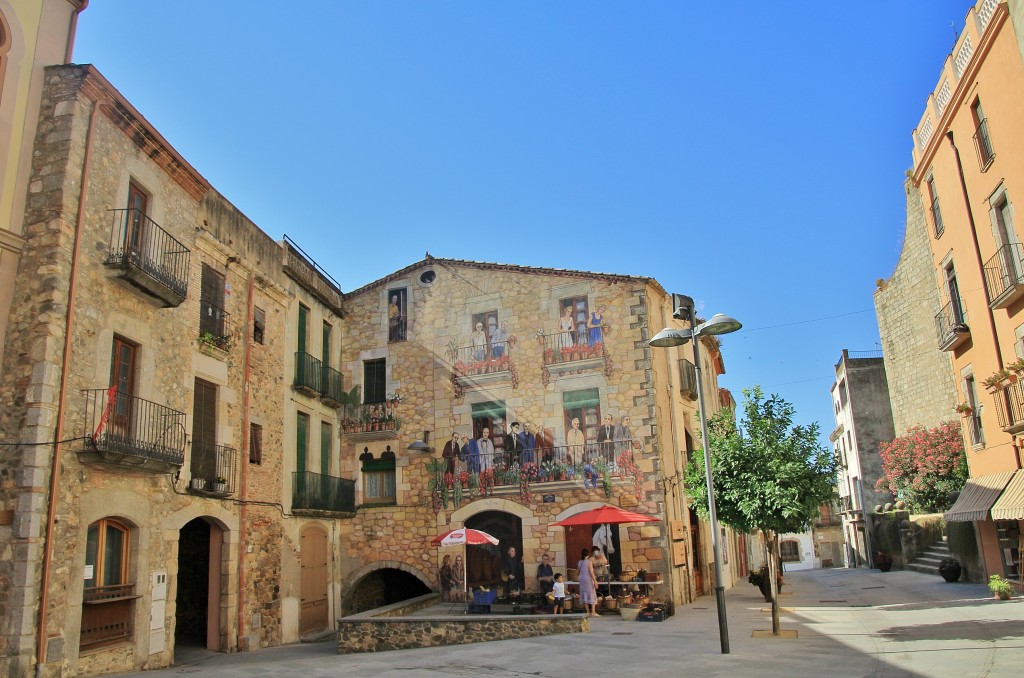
966 172
153 378
860 401
474 356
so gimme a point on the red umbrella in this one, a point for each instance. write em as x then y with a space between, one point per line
464 536
605 514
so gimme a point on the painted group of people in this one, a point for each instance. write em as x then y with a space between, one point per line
493 347
571 333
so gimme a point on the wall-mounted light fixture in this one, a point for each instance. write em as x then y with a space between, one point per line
422 445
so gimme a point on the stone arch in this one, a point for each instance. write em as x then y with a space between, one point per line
352 599
213 511
493 504
354 578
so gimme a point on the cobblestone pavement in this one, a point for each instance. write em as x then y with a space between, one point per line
848 622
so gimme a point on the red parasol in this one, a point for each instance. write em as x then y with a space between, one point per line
605 514
464 536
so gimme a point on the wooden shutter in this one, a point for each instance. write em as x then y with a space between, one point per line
325 448
301 441
303 329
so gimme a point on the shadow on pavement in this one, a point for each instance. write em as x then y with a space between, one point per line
955 630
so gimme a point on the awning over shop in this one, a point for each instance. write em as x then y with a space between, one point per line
977 497
1010 504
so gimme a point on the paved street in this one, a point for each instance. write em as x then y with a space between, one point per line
849 622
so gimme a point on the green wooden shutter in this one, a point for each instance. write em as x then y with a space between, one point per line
303 328
301 441
325 356
325 448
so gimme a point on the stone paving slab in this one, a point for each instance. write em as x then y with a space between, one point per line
894 624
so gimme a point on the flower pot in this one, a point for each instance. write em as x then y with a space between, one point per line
950 573
220 487
197 484
884 566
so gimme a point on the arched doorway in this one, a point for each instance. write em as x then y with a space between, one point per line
483 563
313 613
197 605
383 587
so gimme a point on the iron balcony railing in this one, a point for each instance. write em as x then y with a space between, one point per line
983 143
546 463
137 241
951 323
301 268
316 492
213 467
396 329
128 425
846 504
332 385
370 417
1004 273
562 347
687 379
309 373
213 323
937 218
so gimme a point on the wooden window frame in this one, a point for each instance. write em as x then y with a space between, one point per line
104 603
259 324
789 559
255 443
371 395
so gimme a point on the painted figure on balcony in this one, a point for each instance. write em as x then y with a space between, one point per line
623 436
575 441
479 341
605 438
485 450
498 339
528 442
451 453
471 454
513 445
596 329
566 327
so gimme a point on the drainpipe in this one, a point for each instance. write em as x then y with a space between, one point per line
69 46
977 248
243 461
52 499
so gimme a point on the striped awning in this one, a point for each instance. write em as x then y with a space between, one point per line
1010 505
977 497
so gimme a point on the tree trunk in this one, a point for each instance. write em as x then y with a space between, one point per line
773 573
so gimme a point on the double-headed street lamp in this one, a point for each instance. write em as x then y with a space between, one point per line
719 324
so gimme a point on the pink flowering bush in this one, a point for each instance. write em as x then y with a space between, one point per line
924 465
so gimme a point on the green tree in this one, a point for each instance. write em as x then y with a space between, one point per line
770 476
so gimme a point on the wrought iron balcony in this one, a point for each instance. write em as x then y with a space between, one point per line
316 492
212 468
128 430
332 386
951 325
687 379
309 373
983 144
301 268
937 218
1009 403
213 325
1004 276
846 505
148 257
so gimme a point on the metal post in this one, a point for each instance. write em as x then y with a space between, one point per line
716 546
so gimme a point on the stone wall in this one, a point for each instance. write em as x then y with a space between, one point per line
921 385
378 635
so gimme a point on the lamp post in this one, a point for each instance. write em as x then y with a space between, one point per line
719 324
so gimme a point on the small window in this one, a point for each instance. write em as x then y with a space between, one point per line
212 316
379 486
259 324
789 551
255 444
398 314
428 277
579 317
375 380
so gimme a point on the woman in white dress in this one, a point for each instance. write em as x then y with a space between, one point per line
566 328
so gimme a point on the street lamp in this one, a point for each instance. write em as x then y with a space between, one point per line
719 324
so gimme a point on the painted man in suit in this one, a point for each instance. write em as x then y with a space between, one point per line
513 446
528 442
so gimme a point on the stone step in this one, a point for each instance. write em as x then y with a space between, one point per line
923 569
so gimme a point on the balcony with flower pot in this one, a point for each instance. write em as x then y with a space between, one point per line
565 354
951 326
482 366
1007 392
370 421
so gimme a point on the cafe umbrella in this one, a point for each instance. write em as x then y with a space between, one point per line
464 536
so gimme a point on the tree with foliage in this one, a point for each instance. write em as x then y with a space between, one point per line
769 475
923 466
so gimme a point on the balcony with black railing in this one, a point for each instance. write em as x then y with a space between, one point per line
687 379
481 365
572 353
314 492
301 268
127 430
332 386
212 469
370 421
951 325
148 257
213 323
1004 276
309 373
983 144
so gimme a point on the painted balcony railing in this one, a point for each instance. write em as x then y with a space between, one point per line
125 428
371 418
1004 276
572 352
476 366
148 257
212 468
317 492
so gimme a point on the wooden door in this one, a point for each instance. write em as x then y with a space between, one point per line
313 613
122 375
697 564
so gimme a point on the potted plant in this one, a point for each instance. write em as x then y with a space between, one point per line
964 409
883 561
1016 366
197 483
220 484
1000 588
761 580
950 569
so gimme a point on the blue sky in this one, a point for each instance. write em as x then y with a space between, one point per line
748 154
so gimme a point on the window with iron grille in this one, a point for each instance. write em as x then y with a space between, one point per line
259 324
211 303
